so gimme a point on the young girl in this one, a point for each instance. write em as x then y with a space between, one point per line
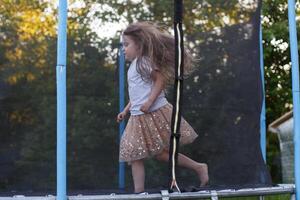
151 53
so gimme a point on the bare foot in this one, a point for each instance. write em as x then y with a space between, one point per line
203 174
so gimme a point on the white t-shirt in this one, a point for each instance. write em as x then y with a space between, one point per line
139 91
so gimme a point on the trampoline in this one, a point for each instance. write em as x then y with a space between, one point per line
223 99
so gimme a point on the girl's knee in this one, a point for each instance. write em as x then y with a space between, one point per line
162 156
137 162
158 156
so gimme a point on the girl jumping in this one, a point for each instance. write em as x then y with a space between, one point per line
151 53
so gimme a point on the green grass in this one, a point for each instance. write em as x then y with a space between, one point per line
268 197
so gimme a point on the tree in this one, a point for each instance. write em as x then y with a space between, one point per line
277 63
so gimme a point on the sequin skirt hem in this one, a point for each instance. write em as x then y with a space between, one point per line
148 135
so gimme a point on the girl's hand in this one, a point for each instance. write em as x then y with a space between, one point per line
145 107
121 116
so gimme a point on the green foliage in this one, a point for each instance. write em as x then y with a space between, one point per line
276 59
278 84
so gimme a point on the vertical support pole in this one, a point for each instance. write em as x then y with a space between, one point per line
121 107
263 109
61 100
295 89
178 87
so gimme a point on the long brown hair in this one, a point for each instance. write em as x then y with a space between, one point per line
156 47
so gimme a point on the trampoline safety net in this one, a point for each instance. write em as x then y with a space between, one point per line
222 100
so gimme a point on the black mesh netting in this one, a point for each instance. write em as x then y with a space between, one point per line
222 101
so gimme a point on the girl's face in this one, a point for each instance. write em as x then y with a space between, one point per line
130 48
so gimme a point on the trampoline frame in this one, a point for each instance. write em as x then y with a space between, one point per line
61 114
165 195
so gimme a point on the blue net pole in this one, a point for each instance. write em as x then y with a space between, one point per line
61 100
295 89
121 107
263 109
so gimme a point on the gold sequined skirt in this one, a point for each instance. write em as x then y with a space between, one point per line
148 135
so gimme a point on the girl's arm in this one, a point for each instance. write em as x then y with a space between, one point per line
158 87
121 116
126 109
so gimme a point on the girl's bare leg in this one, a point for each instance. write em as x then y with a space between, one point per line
184 161
138 174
